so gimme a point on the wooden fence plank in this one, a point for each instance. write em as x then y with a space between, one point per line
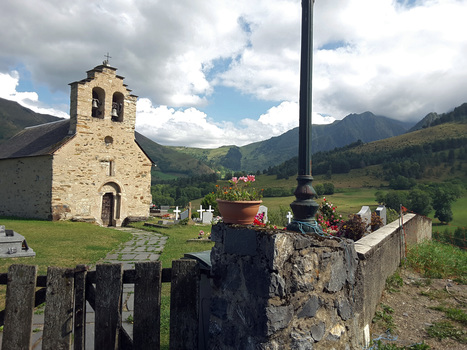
184 308
146 326
79 342
19 307
58 314
128 276
108 308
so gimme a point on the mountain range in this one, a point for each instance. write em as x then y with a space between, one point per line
187 161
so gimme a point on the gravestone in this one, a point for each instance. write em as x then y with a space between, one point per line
263 209
164 209
177 211
381 211
201 211
207 217
184 215
13 245
365 214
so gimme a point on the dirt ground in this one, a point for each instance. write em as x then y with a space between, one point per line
412 314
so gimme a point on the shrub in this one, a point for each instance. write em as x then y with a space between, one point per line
376 222
319 188
328 188
354 228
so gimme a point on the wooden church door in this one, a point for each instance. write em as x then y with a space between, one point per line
107 209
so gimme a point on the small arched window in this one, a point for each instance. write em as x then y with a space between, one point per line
117 107
97 106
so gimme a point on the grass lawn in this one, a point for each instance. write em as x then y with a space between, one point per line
175 248
62 244
348 202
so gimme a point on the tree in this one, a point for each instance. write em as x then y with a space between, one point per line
394 199
328 188
210 200
401 183
442 199
319 188
419 202
444 214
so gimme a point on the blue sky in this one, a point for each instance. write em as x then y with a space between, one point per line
215 72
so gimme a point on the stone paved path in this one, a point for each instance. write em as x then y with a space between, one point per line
143 246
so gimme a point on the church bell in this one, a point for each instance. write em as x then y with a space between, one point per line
114 112
95 103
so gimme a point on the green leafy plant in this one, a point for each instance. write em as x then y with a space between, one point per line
379 345
454 314
239 189
130 319
394 282
385 317
445 329
354 228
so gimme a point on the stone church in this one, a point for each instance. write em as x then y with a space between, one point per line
86 168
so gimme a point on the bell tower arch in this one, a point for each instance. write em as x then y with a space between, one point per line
104 99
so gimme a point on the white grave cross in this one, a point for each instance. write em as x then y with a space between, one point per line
201 211
176 211
210 210
289 216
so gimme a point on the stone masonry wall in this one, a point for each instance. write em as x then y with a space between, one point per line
282 290
102 157
25 187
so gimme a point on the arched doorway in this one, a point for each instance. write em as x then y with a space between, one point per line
111 201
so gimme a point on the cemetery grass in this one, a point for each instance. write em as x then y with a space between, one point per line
63 244
175 248
425 301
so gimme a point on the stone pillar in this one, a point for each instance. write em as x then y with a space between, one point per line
275 289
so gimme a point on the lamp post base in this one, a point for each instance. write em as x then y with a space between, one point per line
304 207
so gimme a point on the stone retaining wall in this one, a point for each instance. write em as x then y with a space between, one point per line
275 289
380 254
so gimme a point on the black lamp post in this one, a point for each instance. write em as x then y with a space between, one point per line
304 207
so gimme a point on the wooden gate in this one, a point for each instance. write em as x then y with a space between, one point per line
66 291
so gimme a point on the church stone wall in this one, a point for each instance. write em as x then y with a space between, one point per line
87 165
101 163
102 157
25 187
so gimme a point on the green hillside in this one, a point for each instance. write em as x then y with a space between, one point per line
264 154
14 118
170 161
439 133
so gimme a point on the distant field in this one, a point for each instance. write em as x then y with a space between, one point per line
459 211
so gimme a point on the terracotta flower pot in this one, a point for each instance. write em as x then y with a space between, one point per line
238 212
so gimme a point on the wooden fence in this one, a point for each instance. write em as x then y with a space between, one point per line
65 292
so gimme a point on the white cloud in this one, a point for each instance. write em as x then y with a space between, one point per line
8 85
191 127
402 59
